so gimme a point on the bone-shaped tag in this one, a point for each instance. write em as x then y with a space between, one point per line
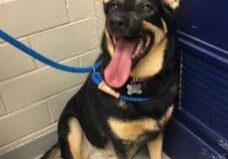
134 88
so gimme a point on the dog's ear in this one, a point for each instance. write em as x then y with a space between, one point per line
172 4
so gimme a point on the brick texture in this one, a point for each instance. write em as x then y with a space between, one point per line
23 122
99 29
65 41
99 11
23 17
14 62
38 85
58 102
2 107
79 9
32 95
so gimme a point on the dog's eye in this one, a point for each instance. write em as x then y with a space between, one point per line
114 7
147 8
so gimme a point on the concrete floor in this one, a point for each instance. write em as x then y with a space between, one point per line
144 155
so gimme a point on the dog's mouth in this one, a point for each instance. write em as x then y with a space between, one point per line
127 53
142 44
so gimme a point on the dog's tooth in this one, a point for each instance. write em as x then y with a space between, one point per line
147 40
138 49
141 46
114 40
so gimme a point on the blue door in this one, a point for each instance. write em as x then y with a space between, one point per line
199 129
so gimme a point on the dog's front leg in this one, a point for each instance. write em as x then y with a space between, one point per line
71 139
75 139
155 147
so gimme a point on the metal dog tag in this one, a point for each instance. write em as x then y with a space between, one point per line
134 88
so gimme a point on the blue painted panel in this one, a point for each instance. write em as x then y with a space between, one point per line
200 128
205 83
203 132
182 143
205 19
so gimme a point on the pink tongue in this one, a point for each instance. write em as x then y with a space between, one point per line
118 70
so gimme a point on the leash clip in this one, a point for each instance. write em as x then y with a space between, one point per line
94 68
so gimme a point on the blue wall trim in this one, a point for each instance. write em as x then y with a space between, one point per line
182 143
200 126
199 129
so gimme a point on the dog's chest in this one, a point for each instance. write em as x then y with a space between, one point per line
136 130
132 131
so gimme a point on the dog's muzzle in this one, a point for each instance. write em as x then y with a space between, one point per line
118 23
121 24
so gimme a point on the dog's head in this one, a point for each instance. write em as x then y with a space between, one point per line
136 38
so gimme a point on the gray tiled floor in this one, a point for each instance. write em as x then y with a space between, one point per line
40 145
144 155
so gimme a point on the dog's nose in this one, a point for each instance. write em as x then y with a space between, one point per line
118 21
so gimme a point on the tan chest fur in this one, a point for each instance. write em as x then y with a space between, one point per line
134 129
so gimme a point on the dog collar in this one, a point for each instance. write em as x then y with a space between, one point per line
100 83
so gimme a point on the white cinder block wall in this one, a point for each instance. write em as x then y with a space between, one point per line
32 95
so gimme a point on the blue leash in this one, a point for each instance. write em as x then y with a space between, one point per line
45 60
96 76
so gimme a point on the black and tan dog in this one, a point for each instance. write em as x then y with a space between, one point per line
138 62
